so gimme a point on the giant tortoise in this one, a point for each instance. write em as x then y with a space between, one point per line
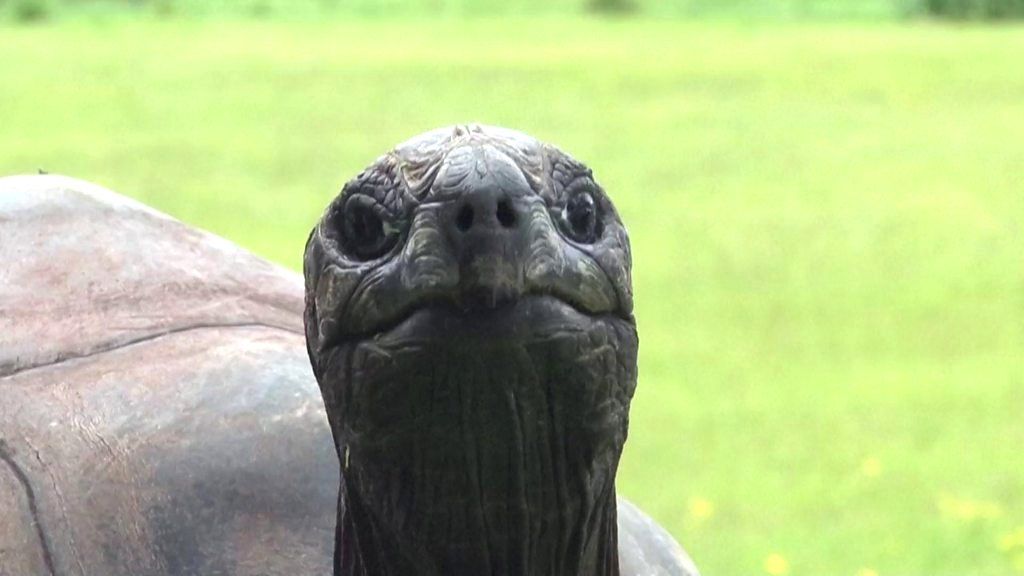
468 319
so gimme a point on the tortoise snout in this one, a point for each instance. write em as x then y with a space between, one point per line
489 211
487 228
486 195
487 224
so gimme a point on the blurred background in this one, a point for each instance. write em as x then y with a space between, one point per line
825 197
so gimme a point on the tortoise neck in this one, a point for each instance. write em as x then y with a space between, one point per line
583 543
481 456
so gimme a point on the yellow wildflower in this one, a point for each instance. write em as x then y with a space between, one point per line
701 509
871 467
1013 540
966 509
867 572
776 565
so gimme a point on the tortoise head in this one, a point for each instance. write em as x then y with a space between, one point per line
469 321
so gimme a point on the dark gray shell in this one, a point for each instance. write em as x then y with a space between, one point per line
157 410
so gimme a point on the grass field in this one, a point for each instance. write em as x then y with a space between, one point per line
751 10
828 225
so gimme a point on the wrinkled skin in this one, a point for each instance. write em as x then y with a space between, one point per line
469 321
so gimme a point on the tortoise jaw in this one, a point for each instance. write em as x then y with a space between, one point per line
483 315
524 318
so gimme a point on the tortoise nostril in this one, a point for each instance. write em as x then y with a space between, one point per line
464 219
506 216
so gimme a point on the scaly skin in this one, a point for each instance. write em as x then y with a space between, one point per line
469 320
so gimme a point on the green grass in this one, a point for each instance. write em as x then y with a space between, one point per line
828 223
29 10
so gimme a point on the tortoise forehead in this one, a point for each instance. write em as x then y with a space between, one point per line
441 139
466 149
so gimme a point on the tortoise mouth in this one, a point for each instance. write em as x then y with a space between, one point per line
528 317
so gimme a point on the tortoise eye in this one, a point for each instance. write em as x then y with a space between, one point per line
365 229
580 218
